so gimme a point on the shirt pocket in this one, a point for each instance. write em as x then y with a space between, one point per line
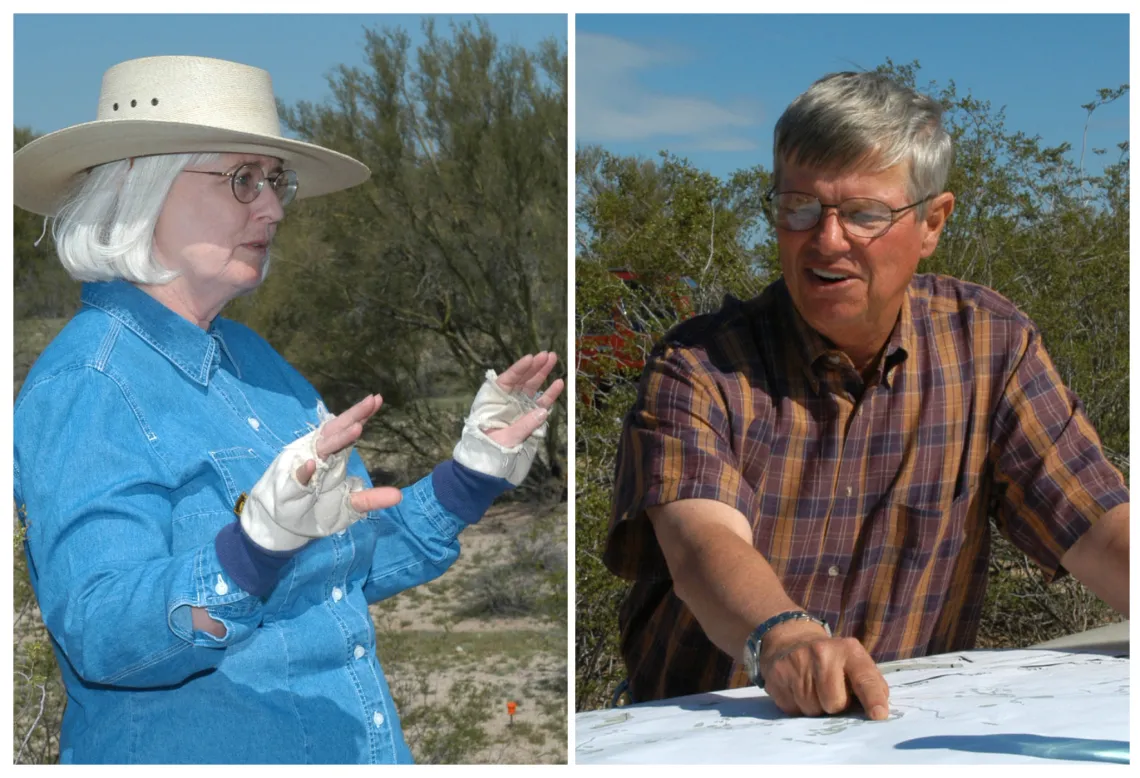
932 538
202 515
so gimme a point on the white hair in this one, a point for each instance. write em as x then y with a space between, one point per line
105 229
851 121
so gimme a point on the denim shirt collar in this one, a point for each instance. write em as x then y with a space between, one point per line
194 351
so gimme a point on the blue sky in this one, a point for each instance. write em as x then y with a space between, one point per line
711 87
59 60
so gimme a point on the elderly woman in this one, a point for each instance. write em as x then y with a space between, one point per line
202 538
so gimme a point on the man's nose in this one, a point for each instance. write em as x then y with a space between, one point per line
829 235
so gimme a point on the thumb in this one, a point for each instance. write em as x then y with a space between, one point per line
520 430
305 472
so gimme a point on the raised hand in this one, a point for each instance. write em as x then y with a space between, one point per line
527 377
507 420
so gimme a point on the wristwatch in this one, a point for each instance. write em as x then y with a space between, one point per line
754 644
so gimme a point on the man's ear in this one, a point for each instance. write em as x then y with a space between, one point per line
937 213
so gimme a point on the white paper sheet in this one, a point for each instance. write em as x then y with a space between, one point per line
1013 706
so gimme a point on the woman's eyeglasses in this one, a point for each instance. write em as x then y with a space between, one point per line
249 179
859 216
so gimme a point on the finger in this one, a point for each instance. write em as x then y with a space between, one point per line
783 698
868 684
520 430
375 499
539 373
357 414
550 396
305 472
807 696
515 374
831 685
327 444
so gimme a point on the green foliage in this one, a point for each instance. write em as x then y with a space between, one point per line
45 290
1028 222
452 258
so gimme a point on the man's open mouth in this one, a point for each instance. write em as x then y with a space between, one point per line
828 278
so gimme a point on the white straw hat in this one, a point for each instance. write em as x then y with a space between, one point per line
170 105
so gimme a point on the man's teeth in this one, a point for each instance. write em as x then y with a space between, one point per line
828 276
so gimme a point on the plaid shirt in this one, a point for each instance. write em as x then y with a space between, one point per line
869 500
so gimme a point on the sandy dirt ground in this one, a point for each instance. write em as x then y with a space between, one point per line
509 658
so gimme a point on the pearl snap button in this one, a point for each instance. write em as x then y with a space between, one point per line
834 359
338 533
220 587
848 491
337 593
358 652
254 423
378 718
833 571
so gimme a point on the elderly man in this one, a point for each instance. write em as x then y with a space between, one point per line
805 482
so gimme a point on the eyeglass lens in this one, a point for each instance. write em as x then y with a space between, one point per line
248 181
798 212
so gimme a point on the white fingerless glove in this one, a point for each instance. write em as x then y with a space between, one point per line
496 409
282 515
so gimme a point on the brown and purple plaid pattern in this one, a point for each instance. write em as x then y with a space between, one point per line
870 500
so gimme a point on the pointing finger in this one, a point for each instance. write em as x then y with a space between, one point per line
869 685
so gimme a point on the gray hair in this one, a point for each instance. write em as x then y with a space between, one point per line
105 229
866 121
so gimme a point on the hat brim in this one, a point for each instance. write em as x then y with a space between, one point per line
45 169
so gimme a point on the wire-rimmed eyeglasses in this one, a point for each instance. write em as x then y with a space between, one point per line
859 216
249 179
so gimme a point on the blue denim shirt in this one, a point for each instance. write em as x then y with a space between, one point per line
135 432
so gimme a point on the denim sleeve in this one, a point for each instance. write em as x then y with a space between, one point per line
95 498
418 539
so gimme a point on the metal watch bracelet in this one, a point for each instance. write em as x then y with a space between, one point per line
753 645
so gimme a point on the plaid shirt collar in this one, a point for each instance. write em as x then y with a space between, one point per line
818 354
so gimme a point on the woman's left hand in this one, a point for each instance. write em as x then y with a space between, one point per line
502 433
527 376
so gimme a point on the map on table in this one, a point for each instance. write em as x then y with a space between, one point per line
1012 706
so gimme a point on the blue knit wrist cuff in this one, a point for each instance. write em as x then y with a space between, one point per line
253 568
465 492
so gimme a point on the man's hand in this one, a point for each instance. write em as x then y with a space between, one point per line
731 588
808 673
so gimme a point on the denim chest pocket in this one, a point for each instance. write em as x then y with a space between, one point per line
209 507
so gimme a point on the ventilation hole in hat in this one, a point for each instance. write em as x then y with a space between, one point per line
154 101
134 103
115 107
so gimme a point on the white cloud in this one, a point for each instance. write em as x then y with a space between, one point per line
612 105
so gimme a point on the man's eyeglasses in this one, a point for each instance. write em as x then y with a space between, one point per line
249 179
859 216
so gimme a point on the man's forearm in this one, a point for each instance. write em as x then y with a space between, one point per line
725 582
1099 558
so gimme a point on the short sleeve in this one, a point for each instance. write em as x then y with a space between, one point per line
676 444
1048 463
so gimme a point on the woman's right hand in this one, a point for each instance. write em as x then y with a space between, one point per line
306 493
